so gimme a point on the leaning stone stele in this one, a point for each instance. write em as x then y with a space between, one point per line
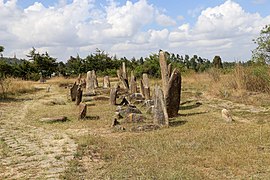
82 111
73 91
79 95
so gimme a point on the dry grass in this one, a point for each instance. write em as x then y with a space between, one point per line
197 145
11 86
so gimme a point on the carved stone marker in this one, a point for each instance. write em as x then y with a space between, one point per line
171 86
113 95
142 88
145 88
73 91
173 94
94 76
79 95
90 83
133 84
160 111
106 82
122 76
82 111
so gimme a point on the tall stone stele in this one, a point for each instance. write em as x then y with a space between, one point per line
146 87
106 82
160 111
171 85
122 76
133 83
90 83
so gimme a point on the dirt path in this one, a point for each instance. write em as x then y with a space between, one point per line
31 152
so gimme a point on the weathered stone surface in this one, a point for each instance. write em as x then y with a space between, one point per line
145 87
142 88
147 127
124 70
79 78
122 76
226 115
113 95
101 98
135 118
106 82
160 111
174 94
79 95
164 72
147 93
73 91
126 110
133 84
136 96
53 119
171 86
82 111
94 76
90 83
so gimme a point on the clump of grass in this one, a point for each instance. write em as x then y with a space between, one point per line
240 82
12 86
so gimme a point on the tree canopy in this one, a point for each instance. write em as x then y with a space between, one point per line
262 53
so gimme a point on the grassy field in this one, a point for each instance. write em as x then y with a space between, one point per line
199 144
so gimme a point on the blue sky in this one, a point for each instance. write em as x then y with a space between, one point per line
133 28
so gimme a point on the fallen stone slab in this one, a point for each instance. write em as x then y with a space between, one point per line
54 119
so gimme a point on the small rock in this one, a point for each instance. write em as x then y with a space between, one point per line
53 119
226 115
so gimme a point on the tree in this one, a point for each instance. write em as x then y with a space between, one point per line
217 63
262 53
1 50
44 64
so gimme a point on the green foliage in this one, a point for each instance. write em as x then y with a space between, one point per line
2 49
262 53
43 63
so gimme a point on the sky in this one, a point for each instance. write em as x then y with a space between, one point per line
135 28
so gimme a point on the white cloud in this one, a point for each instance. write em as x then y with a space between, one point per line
129 30
164 20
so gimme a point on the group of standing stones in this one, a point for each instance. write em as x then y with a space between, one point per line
90 84
163 104
165 101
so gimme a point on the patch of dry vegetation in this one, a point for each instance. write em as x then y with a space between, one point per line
12 86
197 145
